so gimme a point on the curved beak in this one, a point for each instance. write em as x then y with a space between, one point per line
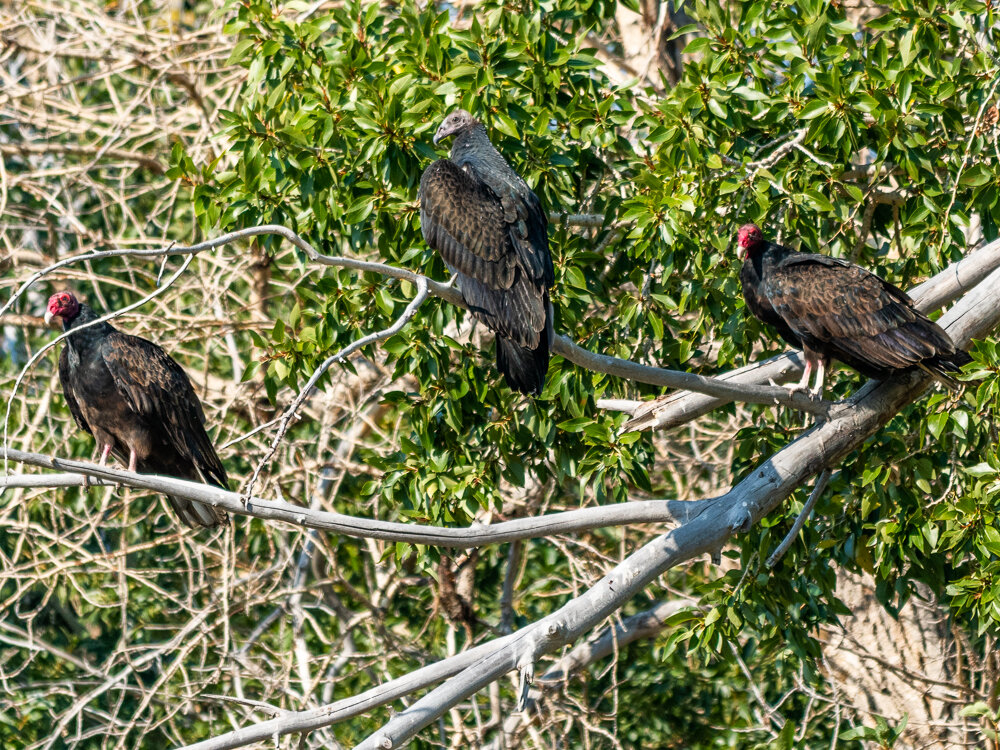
741 251
437 137
48 318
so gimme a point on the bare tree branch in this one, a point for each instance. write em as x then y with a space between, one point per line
620 514
646 624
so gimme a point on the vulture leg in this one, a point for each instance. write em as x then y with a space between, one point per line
131 459
105 452
820 377
804 383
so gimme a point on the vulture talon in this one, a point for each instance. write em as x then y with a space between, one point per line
799 388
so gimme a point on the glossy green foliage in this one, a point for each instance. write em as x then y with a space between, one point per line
329 135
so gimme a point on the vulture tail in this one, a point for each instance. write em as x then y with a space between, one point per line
941 365
198 514
193 513
524 369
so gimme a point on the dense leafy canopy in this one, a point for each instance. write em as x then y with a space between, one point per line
866 134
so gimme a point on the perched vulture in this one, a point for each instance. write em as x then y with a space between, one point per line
138 404
492 233
833 309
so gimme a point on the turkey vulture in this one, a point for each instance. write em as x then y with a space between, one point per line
138 404
491 231
833 309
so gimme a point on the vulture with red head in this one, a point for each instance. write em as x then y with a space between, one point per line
833 309
138 404
491 231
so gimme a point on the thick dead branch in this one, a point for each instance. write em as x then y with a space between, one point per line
620 514
637 627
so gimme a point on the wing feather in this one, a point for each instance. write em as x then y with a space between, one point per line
462 219
851 314
489 227
157 388
491 242
66 380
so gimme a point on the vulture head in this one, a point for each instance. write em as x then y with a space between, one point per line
455 122
61 305
747 238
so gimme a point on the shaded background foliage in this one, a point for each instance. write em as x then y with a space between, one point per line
866 132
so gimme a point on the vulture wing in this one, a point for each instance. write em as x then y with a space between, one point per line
65 379
157 388
527 224
499 246
846 312
462 219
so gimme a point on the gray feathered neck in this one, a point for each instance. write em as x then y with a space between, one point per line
472 147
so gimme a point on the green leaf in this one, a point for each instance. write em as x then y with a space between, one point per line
976 175
907 48
745 92
813 109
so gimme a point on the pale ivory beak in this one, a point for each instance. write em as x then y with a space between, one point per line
48 317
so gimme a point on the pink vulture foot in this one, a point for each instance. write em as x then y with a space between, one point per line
793 388
132 460
105 452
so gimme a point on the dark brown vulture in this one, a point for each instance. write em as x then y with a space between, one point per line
833 309
138 404
492 233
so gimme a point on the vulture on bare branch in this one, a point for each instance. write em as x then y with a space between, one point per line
492 233
138 404
833 309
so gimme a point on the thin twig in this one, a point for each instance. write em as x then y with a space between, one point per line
396 327
800 520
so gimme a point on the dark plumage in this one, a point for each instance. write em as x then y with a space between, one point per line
138 403
833 309
492 233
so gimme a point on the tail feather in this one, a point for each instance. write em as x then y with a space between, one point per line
191 512
195 514
524 369
940 366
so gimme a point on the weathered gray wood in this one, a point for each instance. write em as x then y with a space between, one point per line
619 514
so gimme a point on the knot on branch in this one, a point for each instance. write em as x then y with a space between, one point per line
739 519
